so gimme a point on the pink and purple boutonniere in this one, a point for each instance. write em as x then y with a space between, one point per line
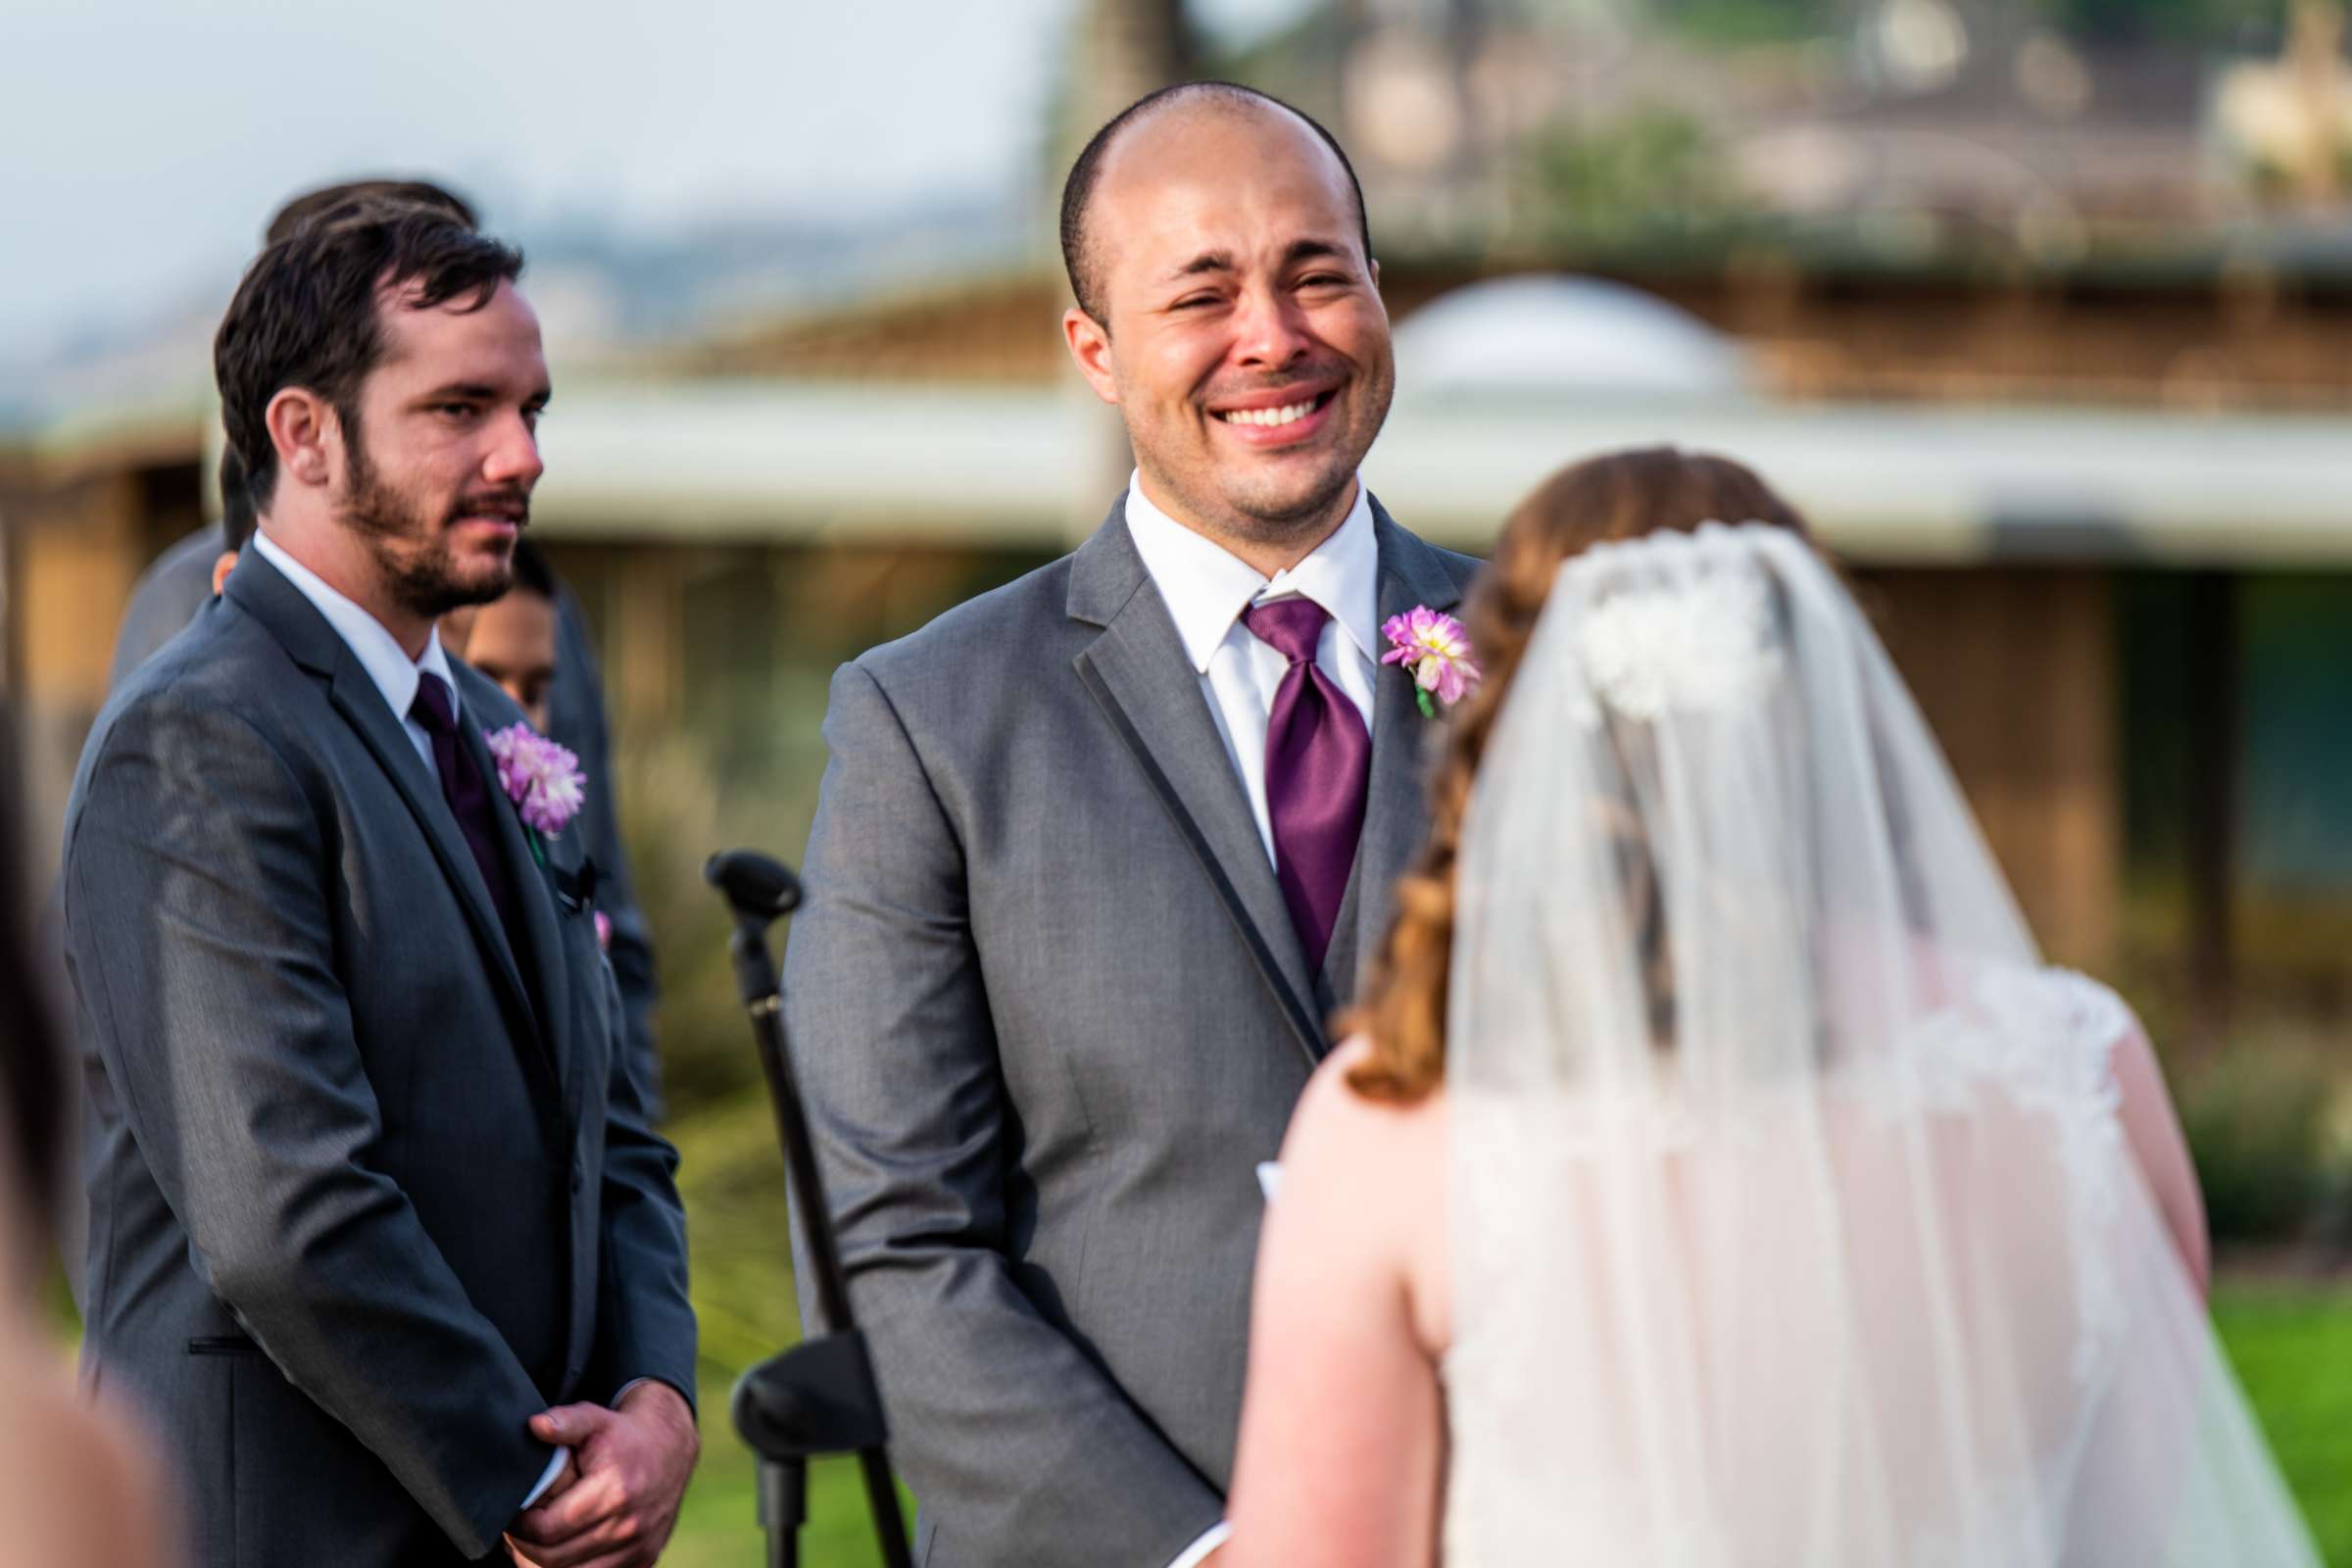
1436 652
542 778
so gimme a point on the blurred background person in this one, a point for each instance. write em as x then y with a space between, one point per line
79 1488
1712 1121
176 585
513 639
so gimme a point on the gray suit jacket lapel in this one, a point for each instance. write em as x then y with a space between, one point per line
1140 675
263 593
1395 809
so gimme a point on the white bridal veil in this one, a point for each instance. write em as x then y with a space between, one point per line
1794 1220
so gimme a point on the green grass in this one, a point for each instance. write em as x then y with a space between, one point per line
718 1526
2291 1343
732 1179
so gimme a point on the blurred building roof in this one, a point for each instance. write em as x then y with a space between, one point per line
1886 485
96 438
1002 465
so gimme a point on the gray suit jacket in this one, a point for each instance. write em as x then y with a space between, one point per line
369 1183
1050 1013
179 582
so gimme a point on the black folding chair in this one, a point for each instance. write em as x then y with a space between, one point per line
819 1397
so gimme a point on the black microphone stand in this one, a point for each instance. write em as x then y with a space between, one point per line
819 1397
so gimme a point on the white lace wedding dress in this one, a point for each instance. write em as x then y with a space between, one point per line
1793 1219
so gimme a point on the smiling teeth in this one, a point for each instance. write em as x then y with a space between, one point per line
1287 415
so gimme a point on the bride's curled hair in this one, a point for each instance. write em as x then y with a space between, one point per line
1621 495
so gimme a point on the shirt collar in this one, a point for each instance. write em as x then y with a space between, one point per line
378 651
1206 587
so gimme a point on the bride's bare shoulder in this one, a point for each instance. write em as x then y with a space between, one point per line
1333 1109
1381 1161
1364 1184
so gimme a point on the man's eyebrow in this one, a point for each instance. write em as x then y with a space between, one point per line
1310 250
1205 262
482 392
1300 249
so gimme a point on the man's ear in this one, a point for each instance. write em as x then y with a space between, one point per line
1090 345
303 430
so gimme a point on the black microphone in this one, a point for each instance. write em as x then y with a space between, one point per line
757 886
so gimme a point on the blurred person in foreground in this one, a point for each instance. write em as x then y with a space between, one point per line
1098 852
77 1489
187 575
379 1233
1718 1176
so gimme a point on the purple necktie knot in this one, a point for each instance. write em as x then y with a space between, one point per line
1318 763
1292 627
464 788
433 708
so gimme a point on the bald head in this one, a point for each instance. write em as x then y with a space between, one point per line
1171 110
1227 305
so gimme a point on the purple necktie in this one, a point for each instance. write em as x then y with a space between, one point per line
1318 758
462 787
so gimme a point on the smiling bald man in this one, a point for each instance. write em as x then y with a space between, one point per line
1097 853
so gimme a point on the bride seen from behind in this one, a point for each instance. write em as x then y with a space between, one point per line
1715 1175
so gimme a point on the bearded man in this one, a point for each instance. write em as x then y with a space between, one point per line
1097 853
379 1234
189 574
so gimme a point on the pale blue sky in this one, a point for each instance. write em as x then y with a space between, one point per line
148 139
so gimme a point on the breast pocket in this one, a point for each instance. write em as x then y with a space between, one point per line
593 1009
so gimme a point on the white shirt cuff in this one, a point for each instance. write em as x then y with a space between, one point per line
554 1468
1211 1540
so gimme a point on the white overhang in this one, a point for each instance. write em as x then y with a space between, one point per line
1885 484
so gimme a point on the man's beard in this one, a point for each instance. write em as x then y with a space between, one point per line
1274 518
413 552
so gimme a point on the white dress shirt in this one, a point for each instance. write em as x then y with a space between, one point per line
1206 587
395 675
378 651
